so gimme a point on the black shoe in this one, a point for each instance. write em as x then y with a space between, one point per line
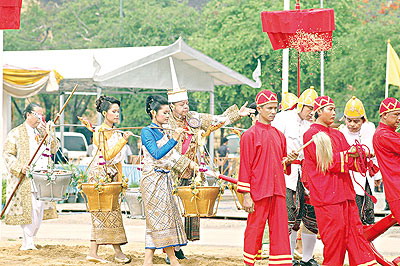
296 263
167 260
311 262
179 254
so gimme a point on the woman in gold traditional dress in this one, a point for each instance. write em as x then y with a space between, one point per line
164 227
107 226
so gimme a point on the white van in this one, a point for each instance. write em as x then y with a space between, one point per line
75 144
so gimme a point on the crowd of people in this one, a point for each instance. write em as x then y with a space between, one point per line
295 167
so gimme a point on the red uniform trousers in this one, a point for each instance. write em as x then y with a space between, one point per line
274 209
395 209
341 230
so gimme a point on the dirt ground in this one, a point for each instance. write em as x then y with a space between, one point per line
65 241
73 253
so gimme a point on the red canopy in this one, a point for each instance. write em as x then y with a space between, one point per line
306 30
10 11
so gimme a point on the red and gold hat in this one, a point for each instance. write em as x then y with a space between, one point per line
388 105
264 97
322 101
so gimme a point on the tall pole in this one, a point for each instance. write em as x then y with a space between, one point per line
62 122
322 64
211 143
285 58
298 59
121 8
99 116
387 70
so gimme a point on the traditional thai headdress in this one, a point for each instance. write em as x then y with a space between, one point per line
176 94
388 105
264 97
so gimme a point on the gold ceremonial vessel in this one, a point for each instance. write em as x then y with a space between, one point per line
199 201
102 197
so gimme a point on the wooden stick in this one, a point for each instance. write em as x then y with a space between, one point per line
120 128
236 128
21 175
300 149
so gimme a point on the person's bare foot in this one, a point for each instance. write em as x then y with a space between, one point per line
122 258
96 259
174 262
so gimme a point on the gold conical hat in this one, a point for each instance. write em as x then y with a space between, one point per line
354 108
307 98
288 101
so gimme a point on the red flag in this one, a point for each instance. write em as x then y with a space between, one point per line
10 11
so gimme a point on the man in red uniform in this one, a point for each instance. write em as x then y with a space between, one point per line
386 143
261 179
332 193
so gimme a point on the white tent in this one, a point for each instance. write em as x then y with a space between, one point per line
129 67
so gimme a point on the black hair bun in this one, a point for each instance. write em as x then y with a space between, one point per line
103 103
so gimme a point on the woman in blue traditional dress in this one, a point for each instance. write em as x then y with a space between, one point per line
164 227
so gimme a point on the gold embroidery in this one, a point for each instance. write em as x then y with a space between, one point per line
50 213
232 113
20 209
206 121
181 165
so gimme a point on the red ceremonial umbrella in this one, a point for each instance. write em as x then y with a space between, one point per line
10 11
306 30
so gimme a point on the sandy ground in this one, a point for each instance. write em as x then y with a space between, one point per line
74 253
65 241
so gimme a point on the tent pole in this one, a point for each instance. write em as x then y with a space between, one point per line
99 117
62 122
285 58
211 140
322 63
387 70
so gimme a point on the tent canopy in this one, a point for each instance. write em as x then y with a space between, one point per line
24 83
133 67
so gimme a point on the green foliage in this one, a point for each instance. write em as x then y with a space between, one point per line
3 192
134 185
78 175
97 24
359 63
228 31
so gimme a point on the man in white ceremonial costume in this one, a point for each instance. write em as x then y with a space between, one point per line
21 143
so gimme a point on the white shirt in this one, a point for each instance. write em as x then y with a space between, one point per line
293 127
40 162
364 136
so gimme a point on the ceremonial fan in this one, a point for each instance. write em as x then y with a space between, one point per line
305 30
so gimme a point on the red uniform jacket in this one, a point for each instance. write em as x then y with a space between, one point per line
262 148
335 185
386 143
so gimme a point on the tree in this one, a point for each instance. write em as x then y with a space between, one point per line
230 32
